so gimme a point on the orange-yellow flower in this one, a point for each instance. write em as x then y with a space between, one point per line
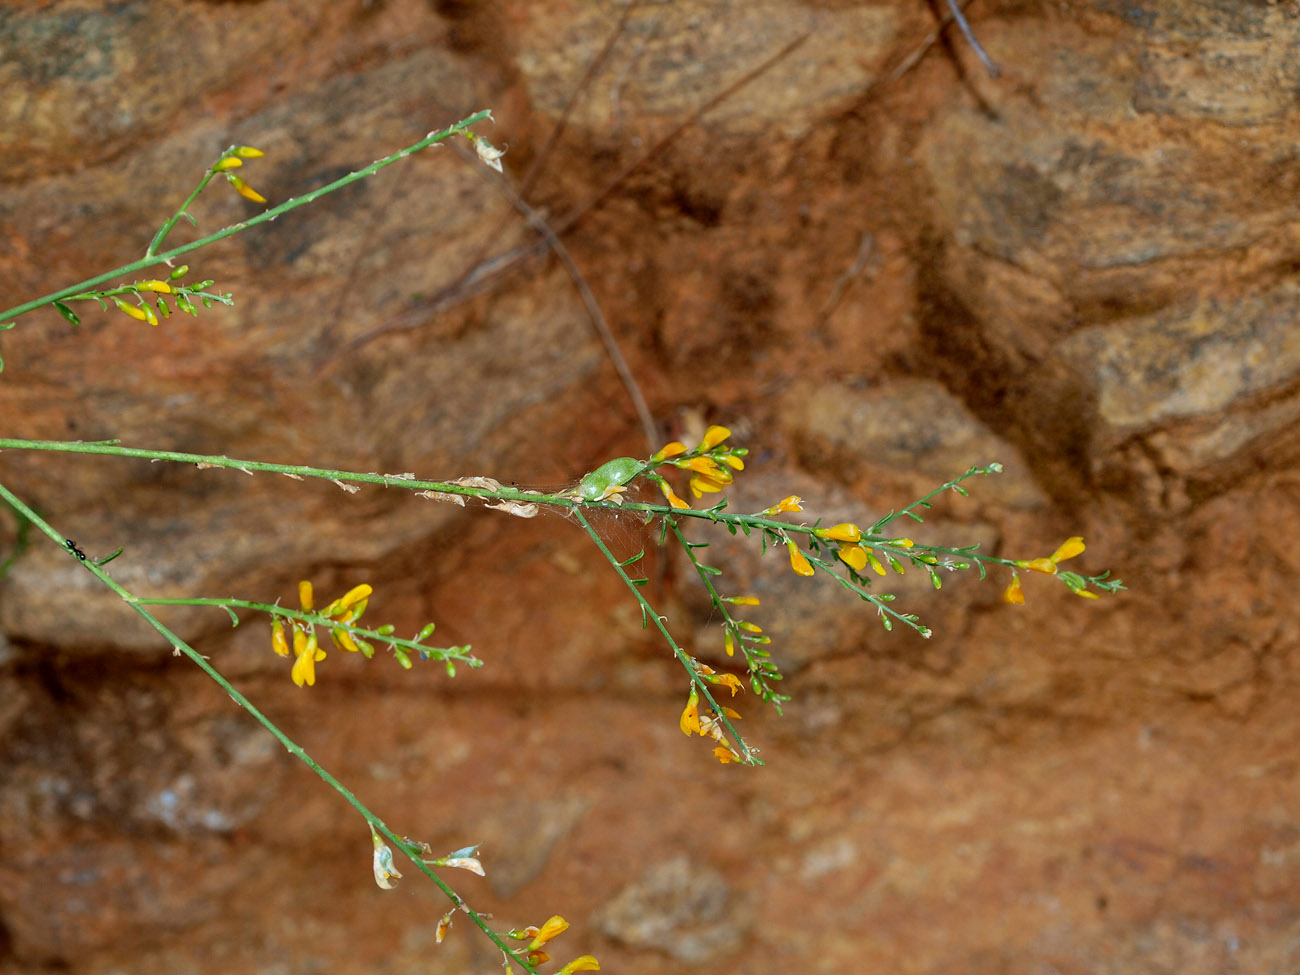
141 313
1014 594
1068 550
357 596
244 190
711 482
846 532
278 642
792 503
729 681
725 755
853 555
308 654
343 640
583 963
714 436
671 449
798 561
742 600
671 495
690 719
554 926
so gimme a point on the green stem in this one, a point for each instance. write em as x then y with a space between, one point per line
179 646
315 619
650 613
739 521
170 223
152 260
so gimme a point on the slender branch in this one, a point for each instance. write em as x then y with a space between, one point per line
650 613
291 204
180 647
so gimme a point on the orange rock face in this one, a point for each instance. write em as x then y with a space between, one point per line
874 263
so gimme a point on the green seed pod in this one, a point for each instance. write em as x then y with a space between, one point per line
615 473
67 313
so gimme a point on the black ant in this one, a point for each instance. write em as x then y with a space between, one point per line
72 547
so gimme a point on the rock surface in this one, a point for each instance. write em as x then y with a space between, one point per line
878 266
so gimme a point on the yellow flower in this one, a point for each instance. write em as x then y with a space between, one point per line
710 483
1014 594
244 190
846 532
305 597
357 596
742 600
278 642
725 755
690 719
714 436
706 475
729 643
248 152
798 561
141 313
792 503
729 681
1068 550
583 963
343 640
157 287
228 162
854 555
731 460
671 449
671 495
554 926
308 655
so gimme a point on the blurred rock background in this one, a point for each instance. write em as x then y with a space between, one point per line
816 222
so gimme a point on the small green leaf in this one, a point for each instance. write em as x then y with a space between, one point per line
109 557
67 313
5 326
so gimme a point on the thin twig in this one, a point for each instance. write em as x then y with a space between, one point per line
989 65
932 38
479 278
598 320
846 278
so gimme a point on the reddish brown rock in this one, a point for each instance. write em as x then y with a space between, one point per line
878 267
